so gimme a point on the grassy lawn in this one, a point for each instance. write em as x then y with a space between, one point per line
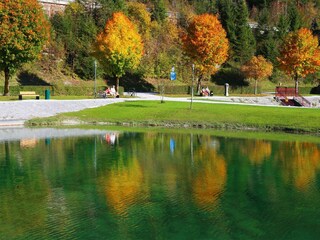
202 115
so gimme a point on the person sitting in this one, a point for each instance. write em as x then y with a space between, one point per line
107 92
207 91
203 92
113 91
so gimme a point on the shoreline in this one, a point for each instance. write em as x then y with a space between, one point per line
173 125
31 113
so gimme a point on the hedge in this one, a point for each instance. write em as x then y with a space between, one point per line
219 90
179 89
58 90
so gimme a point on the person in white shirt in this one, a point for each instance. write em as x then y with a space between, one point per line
113 91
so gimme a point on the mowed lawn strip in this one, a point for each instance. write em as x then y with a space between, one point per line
203 113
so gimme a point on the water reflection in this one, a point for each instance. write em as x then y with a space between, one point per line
123 184
257 151
300 164
142 185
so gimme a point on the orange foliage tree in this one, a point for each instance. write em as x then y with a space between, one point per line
24 30
257 68
119 47
206 43
123 185
300 54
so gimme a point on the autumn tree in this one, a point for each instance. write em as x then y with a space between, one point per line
24 31
206 43
300 54
139 15
257 68
102 10
118 47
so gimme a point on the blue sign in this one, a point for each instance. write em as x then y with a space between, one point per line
173 75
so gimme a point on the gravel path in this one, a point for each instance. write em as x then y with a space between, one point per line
17 112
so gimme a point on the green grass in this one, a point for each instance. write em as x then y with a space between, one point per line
221 115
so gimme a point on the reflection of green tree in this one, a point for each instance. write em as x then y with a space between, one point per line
39 182
23 188
264 192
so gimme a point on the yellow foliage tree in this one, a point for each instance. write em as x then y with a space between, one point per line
300 54
256 68
118 47
206 43
140 16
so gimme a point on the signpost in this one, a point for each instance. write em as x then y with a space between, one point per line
192 86
95 78
173 75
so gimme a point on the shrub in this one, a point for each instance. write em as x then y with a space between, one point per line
58 90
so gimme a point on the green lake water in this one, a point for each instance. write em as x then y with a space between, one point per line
130 185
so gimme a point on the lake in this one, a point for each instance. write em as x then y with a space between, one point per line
115 184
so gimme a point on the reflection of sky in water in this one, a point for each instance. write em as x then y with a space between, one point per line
12 134
122 185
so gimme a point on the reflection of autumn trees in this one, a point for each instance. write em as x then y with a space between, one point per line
256 150
123 185
203 167
299 162
211 175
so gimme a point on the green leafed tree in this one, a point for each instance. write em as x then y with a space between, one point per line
228 20
24 30
295 20
245 44
159 11
119 46
234 17
76 29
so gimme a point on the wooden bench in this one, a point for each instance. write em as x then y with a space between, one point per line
28 94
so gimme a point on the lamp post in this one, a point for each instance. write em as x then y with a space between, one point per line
95 78
192 86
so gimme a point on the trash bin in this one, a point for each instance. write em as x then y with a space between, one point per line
226 89
47 94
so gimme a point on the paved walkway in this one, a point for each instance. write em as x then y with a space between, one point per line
17 112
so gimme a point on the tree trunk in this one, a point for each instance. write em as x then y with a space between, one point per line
6 81
117 85
199 84
296 86
255 87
